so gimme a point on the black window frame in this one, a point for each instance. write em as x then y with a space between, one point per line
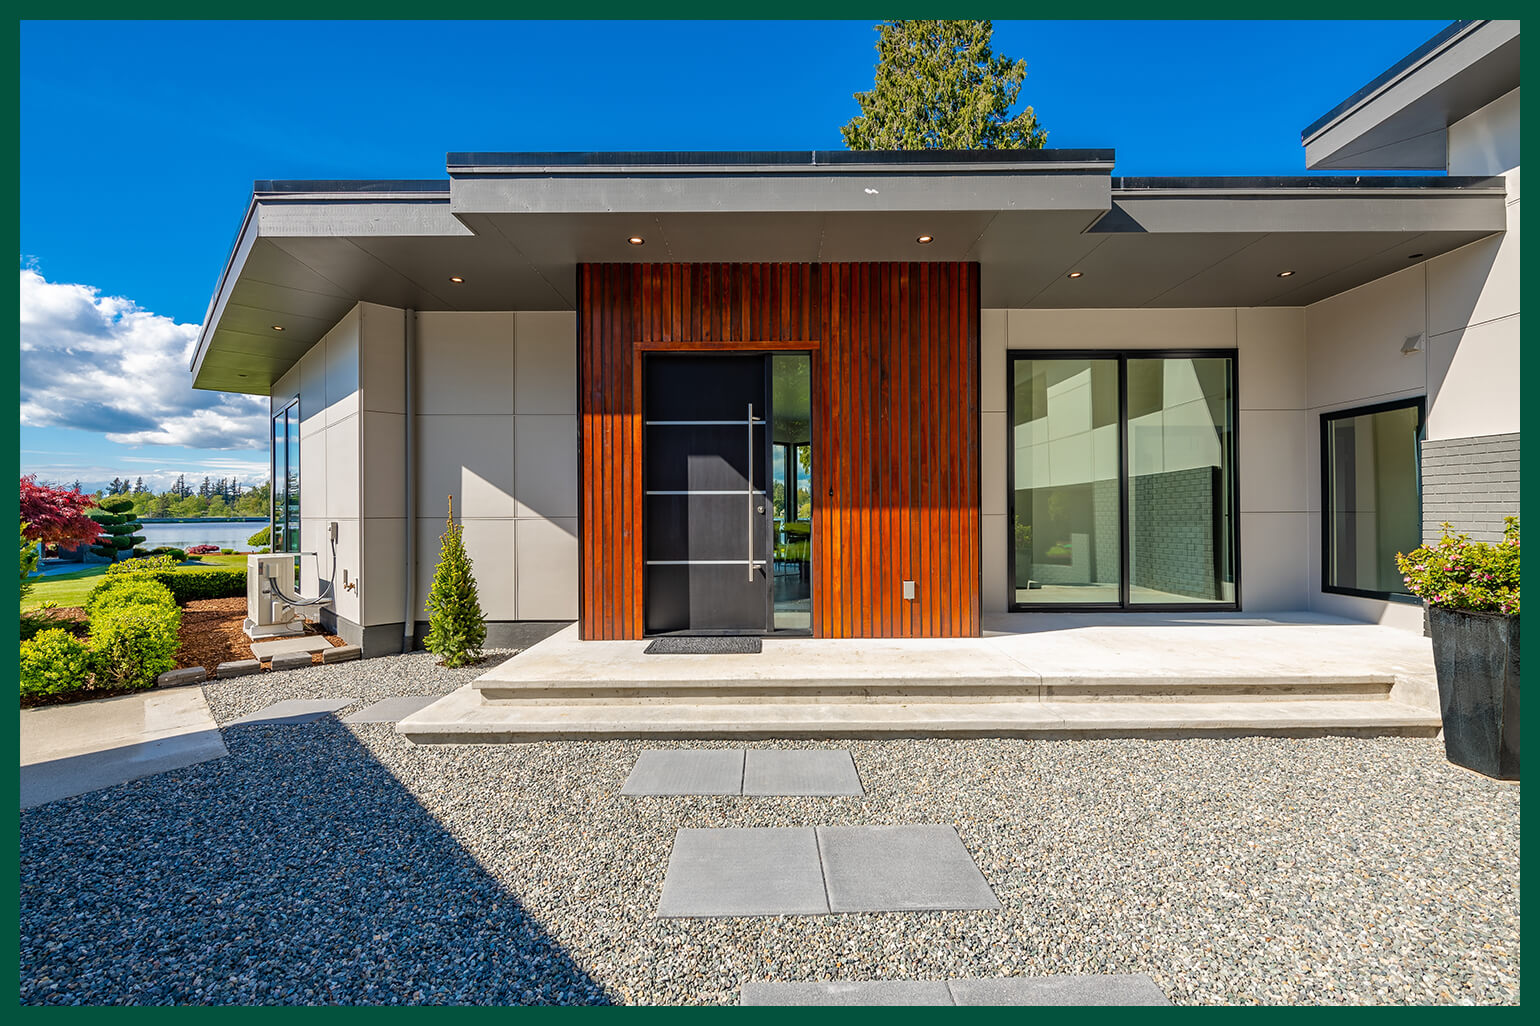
272 497
1420 404
1124 603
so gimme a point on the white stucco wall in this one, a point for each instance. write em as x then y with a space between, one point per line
496 427
1464 304
1270 397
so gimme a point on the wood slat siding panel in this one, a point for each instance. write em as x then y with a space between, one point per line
895 382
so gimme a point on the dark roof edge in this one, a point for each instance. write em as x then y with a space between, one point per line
361 186
789 159
1451 30
1326 183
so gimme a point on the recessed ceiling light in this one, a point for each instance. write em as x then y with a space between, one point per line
636 240
925 240
278 327
457 280
1415 256
1076 274
1285 274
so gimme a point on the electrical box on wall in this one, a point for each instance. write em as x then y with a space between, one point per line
909 590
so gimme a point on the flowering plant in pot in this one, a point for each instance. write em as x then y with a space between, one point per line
1472 594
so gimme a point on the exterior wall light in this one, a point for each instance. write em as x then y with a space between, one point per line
636 240
457 280
1412 344
925 240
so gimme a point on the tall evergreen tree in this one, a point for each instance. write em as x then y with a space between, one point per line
456 626
139 485
939 85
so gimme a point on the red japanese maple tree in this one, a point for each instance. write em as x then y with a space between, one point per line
56 515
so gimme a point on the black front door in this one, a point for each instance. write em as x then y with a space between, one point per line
707 528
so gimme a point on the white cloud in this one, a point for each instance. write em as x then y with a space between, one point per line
99 363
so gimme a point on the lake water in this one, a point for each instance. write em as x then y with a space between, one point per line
227 534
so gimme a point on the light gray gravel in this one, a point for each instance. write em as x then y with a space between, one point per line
329 863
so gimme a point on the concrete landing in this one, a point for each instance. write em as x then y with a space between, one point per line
68 750
1032 674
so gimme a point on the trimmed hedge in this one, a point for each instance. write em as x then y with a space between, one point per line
134 642
54 663
186 585
143 565
135 589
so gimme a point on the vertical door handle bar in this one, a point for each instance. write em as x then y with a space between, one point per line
750 495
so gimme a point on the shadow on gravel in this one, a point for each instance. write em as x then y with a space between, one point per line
299 870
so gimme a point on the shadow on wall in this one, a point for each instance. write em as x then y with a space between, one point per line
299 870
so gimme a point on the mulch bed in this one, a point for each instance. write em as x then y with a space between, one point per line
211 634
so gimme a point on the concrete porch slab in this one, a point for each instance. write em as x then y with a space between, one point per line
900 869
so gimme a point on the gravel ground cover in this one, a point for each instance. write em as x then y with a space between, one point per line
327 863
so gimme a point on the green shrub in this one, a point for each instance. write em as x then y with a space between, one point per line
262 537
130 590
179 555
227 552
28 561
54 663
133 643
149 564
188 583
456 627
1458 573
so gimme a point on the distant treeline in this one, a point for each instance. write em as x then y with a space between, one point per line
213 499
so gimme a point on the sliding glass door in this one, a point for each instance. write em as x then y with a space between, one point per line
1122 471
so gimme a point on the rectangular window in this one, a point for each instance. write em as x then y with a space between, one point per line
285 515
1122 471
1371 497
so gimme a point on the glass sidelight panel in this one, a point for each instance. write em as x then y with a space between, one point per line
1181 460
791 489
1066 521
1372 506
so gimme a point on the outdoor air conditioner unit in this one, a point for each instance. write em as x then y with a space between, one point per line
268 614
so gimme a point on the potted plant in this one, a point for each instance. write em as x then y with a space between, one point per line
1472 594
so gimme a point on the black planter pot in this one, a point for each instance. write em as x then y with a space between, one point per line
1476 656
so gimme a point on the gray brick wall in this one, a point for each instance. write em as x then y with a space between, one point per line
1470 482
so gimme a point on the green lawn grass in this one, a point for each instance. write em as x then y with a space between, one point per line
71 589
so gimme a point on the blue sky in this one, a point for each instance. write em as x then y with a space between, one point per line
139 143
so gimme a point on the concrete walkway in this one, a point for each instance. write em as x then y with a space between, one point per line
67 750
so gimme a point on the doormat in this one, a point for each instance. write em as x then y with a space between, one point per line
725 645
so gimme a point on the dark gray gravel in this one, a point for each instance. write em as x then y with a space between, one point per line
324 863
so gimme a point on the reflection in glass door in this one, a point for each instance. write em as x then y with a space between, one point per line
791 465
1123 479
1064 446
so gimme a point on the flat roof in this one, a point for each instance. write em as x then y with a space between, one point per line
1400 119
512 228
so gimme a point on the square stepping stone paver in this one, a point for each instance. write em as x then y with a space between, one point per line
900 868
793 771
847 992
389 710
686 771
1131 989
752 871
295 710
265 650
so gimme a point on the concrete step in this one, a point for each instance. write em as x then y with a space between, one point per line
465 717
965 690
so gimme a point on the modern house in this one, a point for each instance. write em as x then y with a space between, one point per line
858 394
